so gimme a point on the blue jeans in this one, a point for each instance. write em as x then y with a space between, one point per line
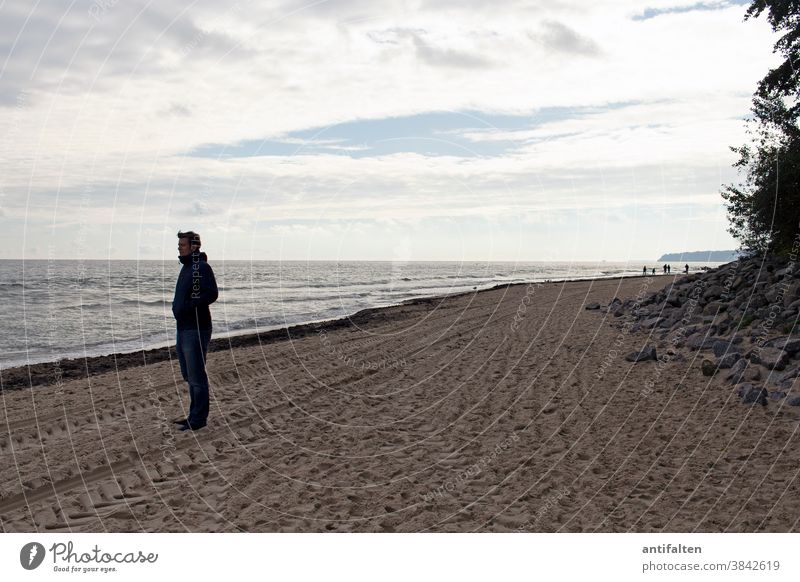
192 347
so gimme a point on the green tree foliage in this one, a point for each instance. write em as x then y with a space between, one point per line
764 211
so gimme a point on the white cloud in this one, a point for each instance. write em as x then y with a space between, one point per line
559 37
115 101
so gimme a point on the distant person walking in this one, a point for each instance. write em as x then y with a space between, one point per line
669 269
654 270
195 290
687 268
665 269
644 271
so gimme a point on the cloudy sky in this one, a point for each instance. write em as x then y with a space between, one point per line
356 129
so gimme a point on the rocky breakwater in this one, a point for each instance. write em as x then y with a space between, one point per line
737 323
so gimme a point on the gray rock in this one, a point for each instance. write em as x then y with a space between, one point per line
752 395
786 343
699 341
789 374
722 347
728 360
753 374
770 358
794 401
777 395
739 367
715 307
593 306
723 328
713 292
647 353
742 371
772 294
790 298
651 322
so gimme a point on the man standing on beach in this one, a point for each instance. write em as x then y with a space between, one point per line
195 290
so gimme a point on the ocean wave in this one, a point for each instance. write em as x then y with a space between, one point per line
145 302
114 305
334 297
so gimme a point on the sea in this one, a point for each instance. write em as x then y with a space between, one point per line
56 309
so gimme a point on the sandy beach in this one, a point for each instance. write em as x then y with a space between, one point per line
505 410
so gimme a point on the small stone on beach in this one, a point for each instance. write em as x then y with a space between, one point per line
647 353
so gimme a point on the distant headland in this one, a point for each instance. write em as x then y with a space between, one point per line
702 256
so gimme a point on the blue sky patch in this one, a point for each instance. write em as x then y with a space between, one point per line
649 13
430 134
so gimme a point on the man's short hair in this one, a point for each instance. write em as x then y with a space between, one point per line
194 238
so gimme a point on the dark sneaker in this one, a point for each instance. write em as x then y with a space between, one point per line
188 426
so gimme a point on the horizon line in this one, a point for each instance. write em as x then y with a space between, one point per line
636 260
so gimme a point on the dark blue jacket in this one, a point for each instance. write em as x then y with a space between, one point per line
195 290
